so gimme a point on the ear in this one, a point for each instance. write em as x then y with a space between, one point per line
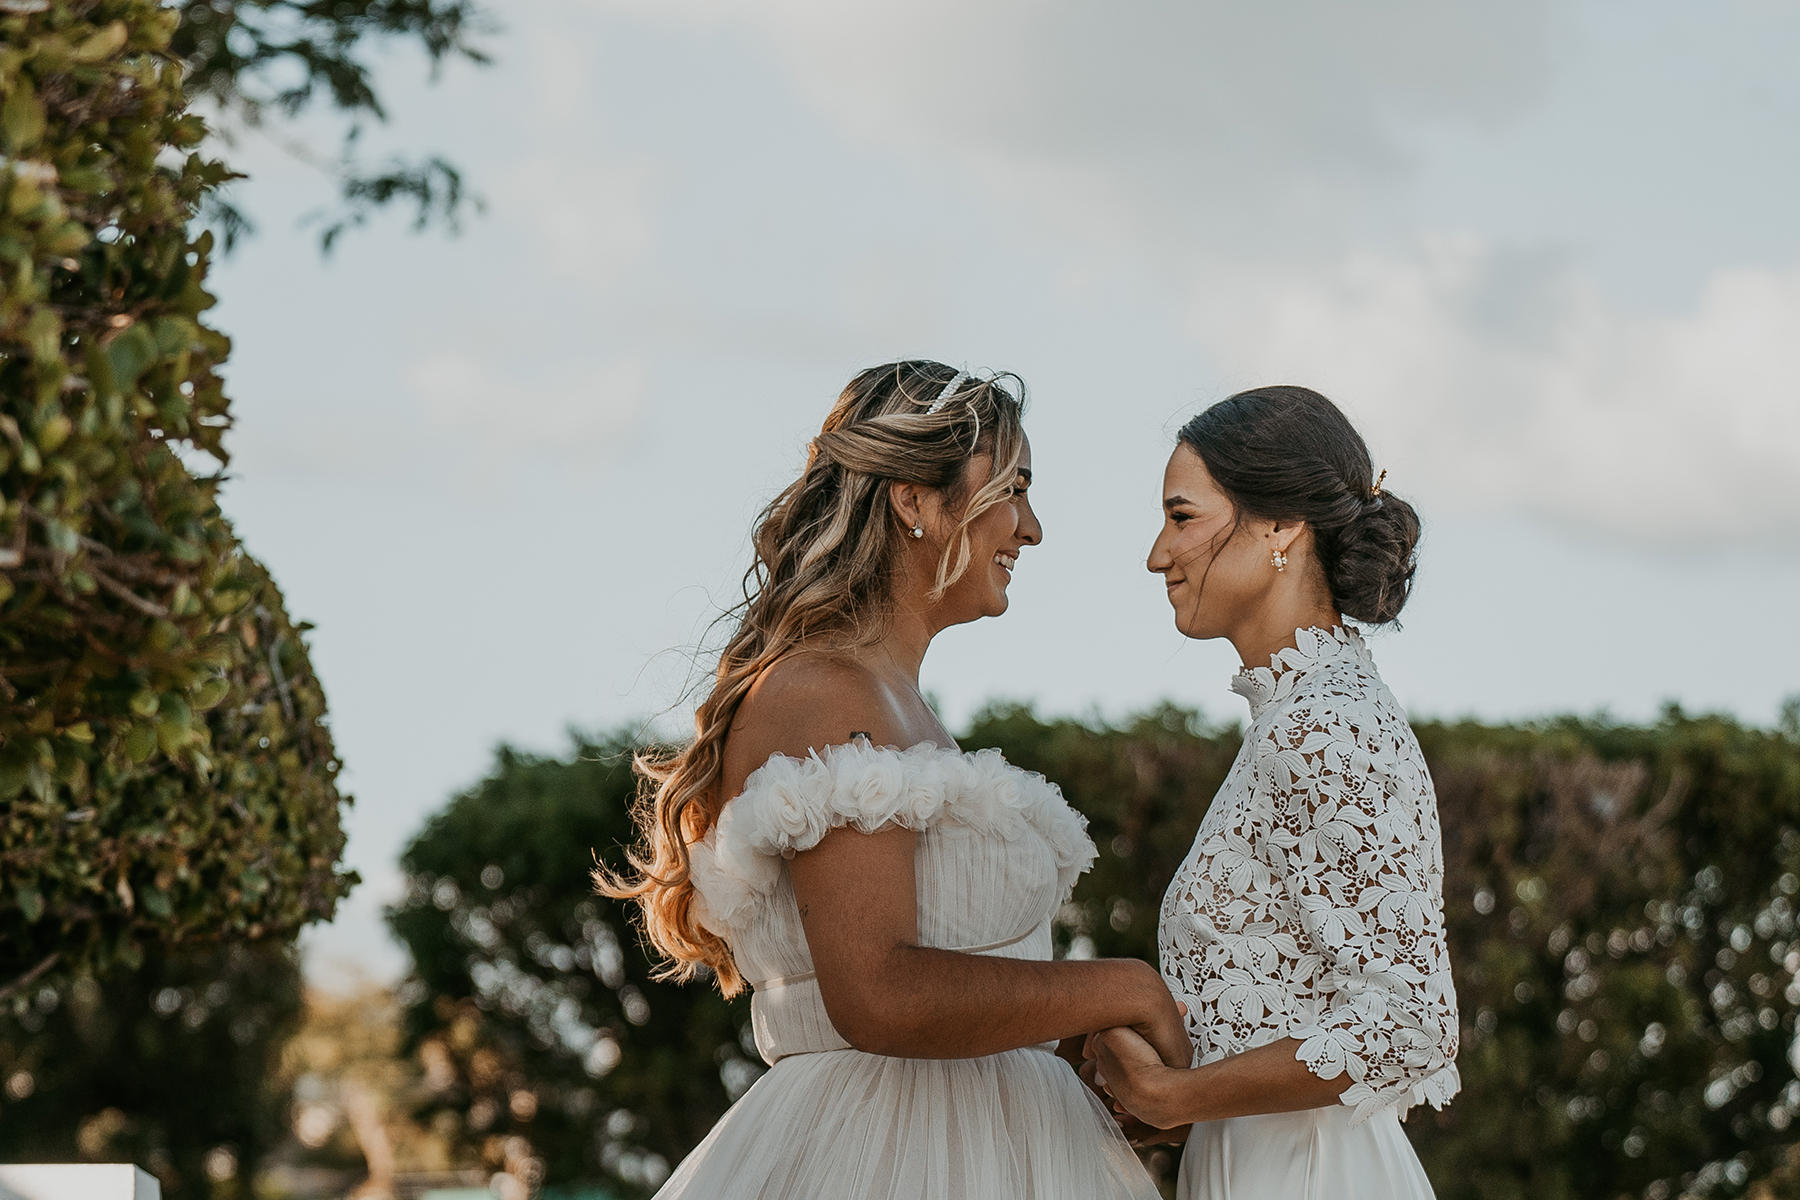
908 502
1285 534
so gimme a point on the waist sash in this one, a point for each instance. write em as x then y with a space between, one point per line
781 981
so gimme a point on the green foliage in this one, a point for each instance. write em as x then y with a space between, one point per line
531 1005
167 1066
1622 921
1621 914
285 55
165 771
1620 903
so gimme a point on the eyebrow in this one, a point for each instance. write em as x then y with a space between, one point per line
1172 501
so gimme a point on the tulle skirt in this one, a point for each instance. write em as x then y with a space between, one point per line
844 1125
1309 1155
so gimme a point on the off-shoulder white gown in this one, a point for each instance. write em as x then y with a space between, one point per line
1312 907
999 850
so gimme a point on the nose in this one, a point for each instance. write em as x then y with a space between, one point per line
1160 559
1029 531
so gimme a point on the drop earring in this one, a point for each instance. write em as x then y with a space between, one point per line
1279 559
918 532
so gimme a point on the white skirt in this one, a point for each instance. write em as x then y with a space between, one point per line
844 1125
1308 1155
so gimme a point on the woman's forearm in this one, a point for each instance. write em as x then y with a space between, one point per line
1268 1079
886 994
933 1003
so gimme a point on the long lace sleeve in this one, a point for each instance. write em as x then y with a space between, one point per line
1351 833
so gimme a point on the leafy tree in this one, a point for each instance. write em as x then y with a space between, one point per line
286 57
531 1008
168 801
165 769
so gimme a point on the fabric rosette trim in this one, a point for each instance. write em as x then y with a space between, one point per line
788 805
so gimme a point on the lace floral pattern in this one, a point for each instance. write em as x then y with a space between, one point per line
1311 905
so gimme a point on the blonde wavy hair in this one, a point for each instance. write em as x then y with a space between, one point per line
826 551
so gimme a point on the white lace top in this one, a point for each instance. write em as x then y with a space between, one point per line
999 850
1311 905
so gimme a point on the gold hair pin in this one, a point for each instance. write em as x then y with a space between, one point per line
1375 492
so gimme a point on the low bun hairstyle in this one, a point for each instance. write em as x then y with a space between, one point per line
1288 454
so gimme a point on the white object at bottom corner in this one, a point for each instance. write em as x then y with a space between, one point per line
77 1181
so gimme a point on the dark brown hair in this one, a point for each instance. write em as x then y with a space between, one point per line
1287 453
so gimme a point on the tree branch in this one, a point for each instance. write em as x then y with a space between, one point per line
30 977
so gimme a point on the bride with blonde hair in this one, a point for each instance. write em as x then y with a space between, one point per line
886 896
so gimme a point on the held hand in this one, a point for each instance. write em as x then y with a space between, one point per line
1136 1132
1166 1030
1090 1075
1132 1070
1141 1135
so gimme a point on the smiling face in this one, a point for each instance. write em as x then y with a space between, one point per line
1214 563
995 539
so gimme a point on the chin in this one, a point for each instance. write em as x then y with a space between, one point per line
1197 631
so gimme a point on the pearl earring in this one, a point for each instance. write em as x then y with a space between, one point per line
1279 559
918 532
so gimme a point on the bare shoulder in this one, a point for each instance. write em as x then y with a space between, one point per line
805 703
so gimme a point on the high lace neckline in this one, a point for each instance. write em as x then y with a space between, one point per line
1314 647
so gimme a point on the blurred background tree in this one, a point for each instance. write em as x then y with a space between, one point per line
1620 903
546 1047
167 1066
1620 906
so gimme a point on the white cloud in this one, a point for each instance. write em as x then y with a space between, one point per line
1501 378
591 221
1224 127
513 408
1258 156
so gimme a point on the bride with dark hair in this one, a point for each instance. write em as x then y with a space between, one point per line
1305 930
823 841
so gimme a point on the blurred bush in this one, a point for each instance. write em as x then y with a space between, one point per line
546 1048
168 1066
165 770
1621 912
1620 903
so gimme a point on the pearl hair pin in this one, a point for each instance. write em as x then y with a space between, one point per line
943 397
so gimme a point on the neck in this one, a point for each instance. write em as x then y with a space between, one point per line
1272 629
901 650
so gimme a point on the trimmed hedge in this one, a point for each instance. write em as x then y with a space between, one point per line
1621 905
1621 908
165 767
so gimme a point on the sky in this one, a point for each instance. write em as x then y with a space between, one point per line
1543 255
